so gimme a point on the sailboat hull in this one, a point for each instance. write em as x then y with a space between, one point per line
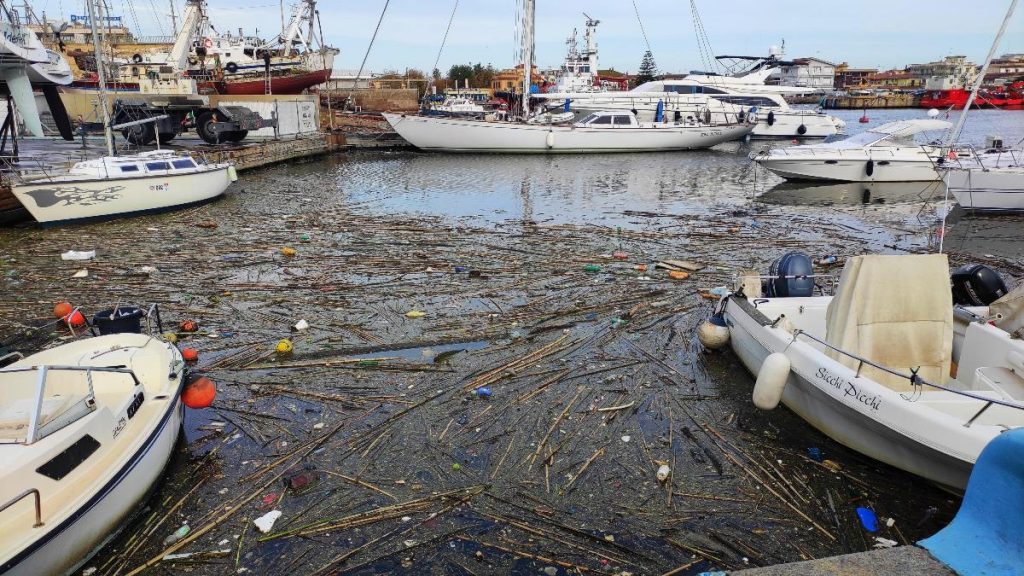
454 135
999 189
77 200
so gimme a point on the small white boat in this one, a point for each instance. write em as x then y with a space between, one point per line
86 429
598 132
998 189
115 186
871 366
886 153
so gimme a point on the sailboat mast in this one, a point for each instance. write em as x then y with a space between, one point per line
108 136
528 23
955 133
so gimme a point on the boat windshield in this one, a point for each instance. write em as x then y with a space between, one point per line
862 140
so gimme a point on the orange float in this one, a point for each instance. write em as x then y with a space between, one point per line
75 319
190 354
199 393
62 309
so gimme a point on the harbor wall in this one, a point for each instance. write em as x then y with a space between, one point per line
377 99
861 102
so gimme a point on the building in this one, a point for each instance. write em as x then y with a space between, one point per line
852 78
511 80
893 80
349 80
809 73
1005 69
946 74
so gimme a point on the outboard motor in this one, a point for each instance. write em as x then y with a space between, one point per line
792 276
977 285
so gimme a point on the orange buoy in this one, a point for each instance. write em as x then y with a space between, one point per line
189 326
190 354
62 309
679 275
76 319
199 393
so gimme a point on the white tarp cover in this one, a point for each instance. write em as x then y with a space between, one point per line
897 312
1009 311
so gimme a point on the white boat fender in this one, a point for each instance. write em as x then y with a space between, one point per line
713 332
550 139
771 381
232 174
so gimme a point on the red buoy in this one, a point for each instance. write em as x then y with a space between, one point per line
76 319
199 393
189 326
62 309
190 354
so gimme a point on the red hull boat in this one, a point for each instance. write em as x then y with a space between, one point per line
957 99
286 84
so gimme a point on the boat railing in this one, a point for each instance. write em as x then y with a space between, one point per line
23 495
39 167
37 429
916 381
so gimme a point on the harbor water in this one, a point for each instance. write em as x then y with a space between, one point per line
427 278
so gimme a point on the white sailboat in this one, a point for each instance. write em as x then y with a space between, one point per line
86 429
604 132
120 185
999 187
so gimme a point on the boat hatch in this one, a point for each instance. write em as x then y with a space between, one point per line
62 464
36 402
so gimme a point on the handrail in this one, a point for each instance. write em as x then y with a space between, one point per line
19 497
913 377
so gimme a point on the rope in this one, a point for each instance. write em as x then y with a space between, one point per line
355 83
443 42
641 22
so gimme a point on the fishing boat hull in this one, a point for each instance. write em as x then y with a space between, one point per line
454 135
77 200
284 84
886 425
1000 189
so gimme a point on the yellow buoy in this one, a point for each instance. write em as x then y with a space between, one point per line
289 251
415 314
285 346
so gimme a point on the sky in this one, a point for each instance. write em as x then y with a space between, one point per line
865 33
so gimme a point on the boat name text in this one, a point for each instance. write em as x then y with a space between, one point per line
849 389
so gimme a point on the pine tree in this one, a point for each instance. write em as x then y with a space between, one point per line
648 69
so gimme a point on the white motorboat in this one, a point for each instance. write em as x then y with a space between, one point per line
599 132
886 153
115 186
871 366
458 106
86 429
776 118
998 189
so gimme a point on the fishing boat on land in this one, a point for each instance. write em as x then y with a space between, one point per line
86 429
886 365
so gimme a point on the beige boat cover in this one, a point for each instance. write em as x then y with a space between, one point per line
1009 312
897 312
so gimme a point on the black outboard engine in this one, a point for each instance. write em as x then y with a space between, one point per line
792 276
976 285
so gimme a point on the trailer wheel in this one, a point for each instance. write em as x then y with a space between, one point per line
140 134
237 135
204 127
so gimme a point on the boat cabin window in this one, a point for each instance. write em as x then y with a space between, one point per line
622 121
130 168
157 166
601 120
688 89
759 101
184 163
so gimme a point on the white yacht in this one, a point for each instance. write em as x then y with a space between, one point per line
999 188
598 132
776 118
886 153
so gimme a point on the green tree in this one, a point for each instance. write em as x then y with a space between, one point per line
648 69
459 73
